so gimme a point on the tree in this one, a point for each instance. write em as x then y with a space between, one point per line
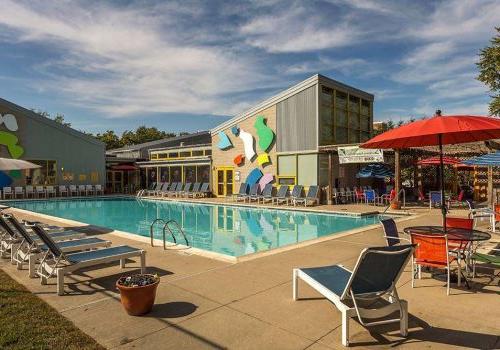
59 118
489 71
110 139
144 134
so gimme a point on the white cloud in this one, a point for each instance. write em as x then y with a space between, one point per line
298 29
130 62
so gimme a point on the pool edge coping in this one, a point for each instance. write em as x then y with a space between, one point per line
187 250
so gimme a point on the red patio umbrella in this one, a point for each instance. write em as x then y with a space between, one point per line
438 131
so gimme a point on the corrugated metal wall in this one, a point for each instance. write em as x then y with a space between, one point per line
296 125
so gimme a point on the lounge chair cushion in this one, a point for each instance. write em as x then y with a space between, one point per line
100 253
334 277
75 243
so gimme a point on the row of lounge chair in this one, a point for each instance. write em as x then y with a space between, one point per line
282 196
52 251
177 189
51 191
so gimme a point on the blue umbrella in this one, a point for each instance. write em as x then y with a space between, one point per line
378 171
490 159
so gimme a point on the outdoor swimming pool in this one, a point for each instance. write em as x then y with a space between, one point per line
229 230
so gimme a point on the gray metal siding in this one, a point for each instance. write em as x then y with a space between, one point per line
296 122
73 152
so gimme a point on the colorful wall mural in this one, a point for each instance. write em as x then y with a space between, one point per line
11 142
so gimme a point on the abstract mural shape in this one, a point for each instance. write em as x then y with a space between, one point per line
235 130
264 180
10 141
265 133
5 180
248 144
224 141
254 177
238 160
263 159
9 121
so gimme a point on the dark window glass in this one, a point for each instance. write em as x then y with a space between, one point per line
185 154
175 174
197 153
341 100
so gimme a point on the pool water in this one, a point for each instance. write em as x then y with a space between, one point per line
229 230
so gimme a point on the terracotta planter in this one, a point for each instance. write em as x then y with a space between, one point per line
138 300
396 205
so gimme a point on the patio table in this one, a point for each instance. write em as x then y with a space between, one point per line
460 235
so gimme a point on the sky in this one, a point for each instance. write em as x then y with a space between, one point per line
190 65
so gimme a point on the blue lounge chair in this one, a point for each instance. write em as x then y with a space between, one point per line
56 263
242 193
205 190
253 195
311 197
434 199
282 195
31 251
163 189
154 190
169 189
296 193
267 194
184 191
391 233
373 279
195 190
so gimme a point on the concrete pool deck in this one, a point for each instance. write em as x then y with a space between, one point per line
206 303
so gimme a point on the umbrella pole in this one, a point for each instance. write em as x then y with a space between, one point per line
441 180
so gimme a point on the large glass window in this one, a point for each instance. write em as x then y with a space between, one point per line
341 100
189 174
323 169
45 175
175 174
341 135
341 118
326 134
152 174
203 173
308 169
287 165
164 174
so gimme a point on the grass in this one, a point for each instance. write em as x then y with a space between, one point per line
27 322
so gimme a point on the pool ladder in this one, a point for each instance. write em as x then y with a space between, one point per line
167 225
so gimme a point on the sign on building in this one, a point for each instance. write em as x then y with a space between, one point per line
354 154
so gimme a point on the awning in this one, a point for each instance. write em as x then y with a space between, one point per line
491 159
378 171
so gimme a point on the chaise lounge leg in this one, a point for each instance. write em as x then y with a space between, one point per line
19 265
122 263
60 282
31 266
345 328
404 318
295 284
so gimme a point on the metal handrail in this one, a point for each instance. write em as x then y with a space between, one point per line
151 233
396 198
166 226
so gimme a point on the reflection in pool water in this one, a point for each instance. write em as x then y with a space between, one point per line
230 230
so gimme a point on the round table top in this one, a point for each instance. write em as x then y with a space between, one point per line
455 234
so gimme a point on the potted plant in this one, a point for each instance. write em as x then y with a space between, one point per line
138 292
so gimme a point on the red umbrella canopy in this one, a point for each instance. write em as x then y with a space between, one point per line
453 129
436 161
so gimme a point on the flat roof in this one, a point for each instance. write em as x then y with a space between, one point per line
311 81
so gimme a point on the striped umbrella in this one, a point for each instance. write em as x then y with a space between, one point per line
378 171
490 159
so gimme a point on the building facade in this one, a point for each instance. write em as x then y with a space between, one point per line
291 137
66 156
